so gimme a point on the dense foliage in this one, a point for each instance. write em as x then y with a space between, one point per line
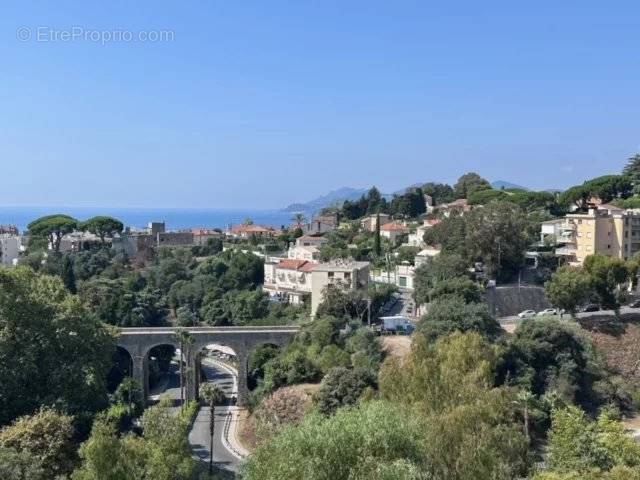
161 453
41 324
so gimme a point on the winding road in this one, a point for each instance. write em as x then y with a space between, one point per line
226 456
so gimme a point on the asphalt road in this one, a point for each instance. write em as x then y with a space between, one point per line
200 438
168 386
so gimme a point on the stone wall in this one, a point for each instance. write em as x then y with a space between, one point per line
508 300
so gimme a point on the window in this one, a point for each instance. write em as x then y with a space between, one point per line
402 281
330 274
347 276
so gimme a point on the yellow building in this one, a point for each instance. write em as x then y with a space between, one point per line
605 230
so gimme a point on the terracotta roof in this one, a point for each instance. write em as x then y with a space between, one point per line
251 229
312 238
307 267
292 264
393 227
432 222
205 231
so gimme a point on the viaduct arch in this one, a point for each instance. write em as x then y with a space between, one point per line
243 340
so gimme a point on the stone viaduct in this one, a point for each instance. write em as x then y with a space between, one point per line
139 341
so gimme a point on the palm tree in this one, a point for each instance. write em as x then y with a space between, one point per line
525 399
185 339
211 394
299 219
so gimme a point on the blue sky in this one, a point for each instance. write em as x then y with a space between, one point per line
260 104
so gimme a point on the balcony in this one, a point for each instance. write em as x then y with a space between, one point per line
566 251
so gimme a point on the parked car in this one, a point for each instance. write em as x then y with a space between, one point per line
527 314
592 307
546 312
635 304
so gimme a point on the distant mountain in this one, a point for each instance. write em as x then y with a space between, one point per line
405 190
504 185
331 199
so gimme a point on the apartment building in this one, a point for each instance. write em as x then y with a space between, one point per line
288 280
347 274
605 229
322 224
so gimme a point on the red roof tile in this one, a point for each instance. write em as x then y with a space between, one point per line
291 264
393 227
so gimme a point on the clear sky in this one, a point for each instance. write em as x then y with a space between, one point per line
263 103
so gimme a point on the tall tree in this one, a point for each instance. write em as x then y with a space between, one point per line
53 228
377 246
497 236
632 171
607 274
548 355
439 192
67 274
569 288
299 219
68 364
185 340
103 227
469 183
212 395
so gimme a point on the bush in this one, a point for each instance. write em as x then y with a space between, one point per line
47 437
341 387
286 406
351 445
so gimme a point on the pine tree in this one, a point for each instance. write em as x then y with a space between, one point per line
67 274
376 239
632 170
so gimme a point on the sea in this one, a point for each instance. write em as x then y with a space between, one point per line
174 218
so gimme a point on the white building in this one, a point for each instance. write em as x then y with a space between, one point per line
416 239
75 241
288 280
310 254
311 241
401 276
9 249
426 255
393 231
